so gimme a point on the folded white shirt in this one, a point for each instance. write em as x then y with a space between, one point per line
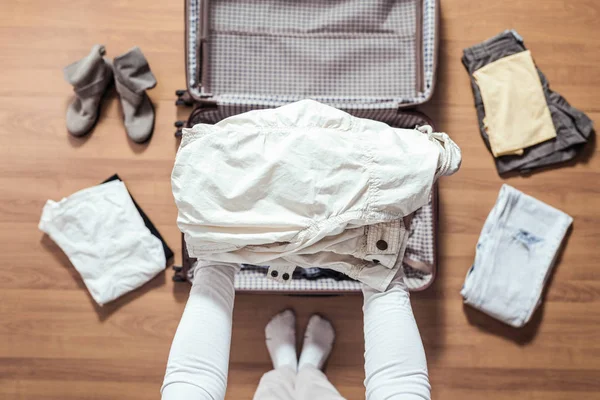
515 254
306 185
105 238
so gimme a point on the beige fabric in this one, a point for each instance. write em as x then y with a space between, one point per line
248 193
517 115
285 384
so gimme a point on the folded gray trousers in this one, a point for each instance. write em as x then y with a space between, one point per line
573 127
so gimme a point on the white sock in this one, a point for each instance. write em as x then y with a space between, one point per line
281 339
318 341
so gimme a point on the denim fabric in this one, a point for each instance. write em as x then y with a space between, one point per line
515 254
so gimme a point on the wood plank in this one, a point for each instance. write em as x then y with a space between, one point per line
55 343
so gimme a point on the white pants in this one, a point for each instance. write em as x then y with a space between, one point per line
395 365
284 383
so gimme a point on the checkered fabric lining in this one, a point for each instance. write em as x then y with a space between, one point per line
291 50
282 46
392 117
252 280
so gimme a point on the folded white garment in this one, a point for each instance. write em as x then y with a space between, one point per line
105 238
306 185
515 254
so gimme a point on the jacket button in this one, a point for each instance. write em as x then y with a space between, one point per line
285 276
381 245
274 274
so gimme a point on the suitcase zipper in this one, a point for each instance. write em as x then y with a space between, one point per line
199 91
202 35
419 47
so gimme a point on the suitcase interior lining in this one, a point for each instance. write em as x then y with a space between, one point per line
348 53
238 60
312 48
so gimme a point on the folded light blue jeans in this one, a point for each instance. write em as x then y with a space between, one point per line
515 254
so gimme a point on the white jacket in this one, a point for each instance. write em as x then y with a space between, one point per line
306 185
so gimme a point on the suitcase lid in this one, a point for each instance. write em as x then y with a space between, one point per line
351 54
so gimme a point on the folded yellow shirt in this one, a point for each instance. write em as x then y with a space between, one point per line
517 115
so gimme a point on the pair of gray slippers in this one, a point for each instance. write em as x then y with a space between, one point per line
93 76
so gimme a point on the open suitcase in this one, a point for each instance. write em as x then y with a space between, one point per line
374 59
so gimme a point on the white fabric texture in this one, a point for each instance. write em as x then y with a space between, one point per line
309 383
280 335
395 363
515 254
199 357
105 238
306 185
318 342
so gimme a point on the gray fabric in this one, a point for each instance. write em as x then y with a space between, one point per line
132 78
348 53
91 76
573 127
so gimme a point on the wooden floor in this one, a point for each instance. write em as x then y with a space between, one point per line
56 344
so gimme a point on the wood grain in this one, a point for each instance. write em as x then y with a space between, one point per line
56 344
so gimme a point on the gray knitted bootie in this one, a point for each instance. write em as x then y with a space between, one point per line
132 78
91 78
